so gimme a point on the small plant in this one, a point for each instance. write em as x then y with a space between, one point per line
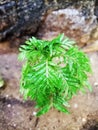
53 72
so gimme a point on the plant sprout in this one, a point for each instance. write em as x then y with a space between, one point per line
53 72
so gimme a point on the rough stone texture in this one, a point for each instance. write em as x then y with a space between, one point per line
19 17
22 17
74 21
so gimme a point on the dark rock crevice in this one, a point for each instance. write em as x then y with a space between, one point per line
96 9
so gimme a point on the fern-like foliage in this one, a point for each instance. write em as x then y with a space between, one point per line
53 72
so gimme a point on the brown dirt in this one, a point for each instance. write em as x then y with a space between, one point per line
17 114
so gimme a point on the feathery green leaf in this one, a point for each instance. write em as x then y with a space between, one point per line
53 72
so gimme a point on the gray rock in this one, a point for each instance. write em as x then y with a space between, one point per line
22 17
74 21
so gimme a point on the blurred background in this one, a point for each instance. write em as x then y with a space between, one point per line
45 19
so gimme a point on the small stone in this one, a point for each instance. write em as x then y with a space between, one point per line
83 120
7 96
14 125
96 84
75 105
34 113
34 4
9 105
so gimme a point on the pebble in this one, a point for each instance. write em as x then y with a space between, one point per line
14 125
75 105
96 84
7 96
9 105
34 113
83 120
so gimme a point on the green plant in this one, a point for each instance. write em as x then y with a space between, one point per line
53 72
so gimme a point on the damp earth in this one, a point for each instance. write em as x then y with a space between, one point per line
18 114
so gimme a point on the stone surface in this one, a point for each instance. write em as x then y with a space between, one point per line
23 18
19 17
74 22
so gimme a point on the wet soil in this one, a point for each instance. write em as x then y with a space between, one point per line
17 114
92 123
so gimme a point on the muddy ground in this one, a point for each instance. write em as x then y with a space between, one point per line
17 114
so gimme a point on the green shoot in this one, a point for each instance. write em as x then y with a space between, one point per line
53 72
